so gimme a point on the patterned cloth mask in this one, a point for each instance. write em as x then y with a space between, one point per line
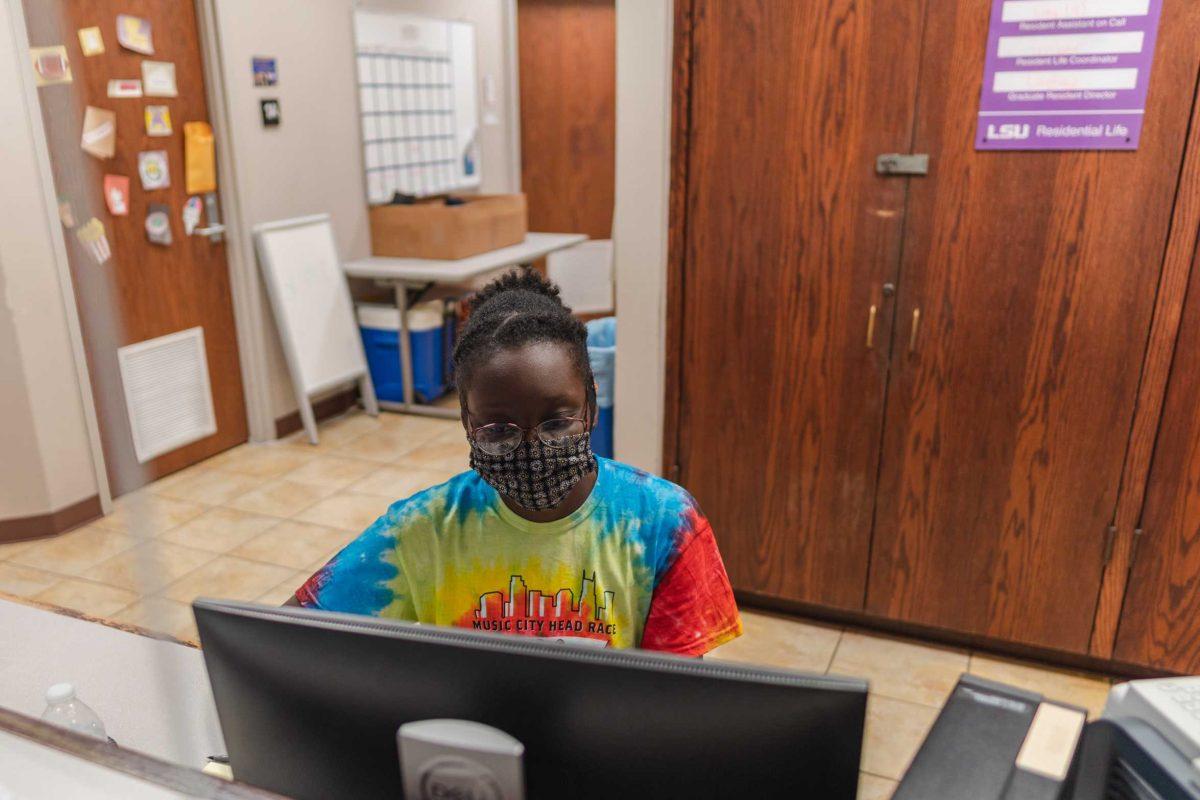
535 475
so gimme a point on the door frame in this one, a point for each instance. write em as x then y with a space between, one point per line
33 113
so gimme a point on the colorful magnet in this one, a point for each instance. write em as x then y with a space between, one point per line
66 213
99 136
264 71
158 224
125 87
158 79
94 239
153 169
91 41
158 121
270 112
134 33
191 214
50 65
116 194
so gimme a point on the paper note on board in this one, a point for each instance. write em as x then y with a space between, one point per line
158 79
199 158
50 65
94 240
153 169
116 194
91 41
134 33
158 121
125 87
99 136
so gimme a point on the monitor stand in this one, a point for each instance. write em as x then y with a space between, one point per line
442 758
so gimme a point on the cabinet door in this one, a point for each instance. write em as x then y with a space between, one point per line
1035 276
790 236
1160 621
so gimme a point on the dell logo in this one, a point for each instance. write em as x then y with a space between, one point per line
1010 130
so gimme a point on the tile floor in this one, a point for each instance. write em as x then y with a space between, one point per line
253 523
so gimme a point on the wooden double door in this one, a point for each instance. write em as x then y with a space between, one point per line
906 396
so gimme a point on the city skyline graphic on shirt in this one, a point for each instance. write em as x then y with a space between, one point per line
523 602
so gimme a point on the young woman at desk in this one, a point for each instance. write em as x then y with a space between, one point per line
541 537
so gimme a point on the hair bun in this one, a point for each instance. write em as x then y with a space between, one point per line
525 279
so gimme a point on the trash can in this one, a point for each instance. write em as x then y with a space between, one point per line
602 353
380 326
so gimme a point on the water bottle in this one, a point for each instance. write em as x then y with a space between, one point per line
63 708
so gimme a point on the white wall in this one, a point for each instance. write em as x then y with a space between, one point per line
46 457
644 30
312 162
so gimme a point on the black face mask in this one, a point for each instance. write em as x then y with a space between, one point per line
535 475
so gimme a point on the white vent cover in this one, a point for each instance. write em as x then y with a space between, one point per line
167 392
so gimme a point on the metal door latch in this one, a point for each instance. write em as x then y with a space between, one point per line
902 164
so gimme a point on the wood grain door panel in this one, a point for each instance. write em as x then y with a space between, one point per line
790 236
567 52
145 290
1160 621
1007 424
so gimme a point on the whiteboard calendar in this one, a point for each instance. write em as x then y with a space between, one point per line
417 104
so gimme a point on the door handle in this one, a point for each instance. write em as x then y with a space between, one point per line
871 326
210 231
215 230
916 323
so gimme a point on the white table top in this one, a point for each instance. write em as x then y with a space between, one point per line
432 270
152 696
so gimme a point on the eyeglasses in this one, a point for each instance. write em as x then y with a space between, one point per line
501 438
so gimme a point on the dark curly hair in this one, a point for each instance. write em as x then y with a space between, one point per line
516 309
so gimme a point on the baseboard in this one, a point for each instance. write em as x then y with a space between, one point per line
42 525
322 409
872 622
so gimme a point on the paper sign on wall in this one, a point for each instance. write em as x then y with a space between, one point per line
158 79
153 170
116 194
1066 74
199 158
133 33
50 65
65 213
99 136
91 41
94 240
158 121
265 73
125 87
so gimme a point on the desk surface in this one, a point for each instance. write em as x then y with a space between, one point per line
152 695
430 270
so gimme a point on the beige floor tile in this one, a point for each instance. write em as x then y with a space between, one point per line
94 599
266 460
352 512
25 581
73 553
294 544
212 487
781 642
10 549
164 616
148 567
873 787
399 483
445 452
146 515
228 578
1077 688
331 472
382 445
900 669
422 428
895 730
219 530
334 433
181 476
280 594
281 498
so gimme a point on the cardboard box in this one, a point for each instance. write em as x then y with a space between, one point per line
433 229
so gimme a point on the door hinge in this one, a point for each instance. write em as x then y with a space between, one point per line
1108 544
902 164
1133 548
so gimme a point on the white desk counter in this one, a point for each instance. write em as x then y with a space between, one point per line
152 695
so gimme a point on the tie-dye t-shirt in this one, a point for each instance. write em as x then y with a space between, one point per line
635 566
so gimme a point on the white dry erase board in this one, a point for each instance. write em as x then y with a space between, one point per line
313 310
418 106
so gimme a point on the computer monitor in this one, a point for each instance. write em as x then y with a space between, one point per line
310 703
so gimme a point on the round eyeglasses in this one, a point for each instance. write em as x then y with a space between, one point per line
501 438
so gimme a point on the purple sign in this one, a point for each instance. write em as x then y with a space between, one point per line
1066 74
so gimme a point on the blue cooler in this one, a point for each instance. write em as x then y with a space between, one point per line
380 326
602 353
